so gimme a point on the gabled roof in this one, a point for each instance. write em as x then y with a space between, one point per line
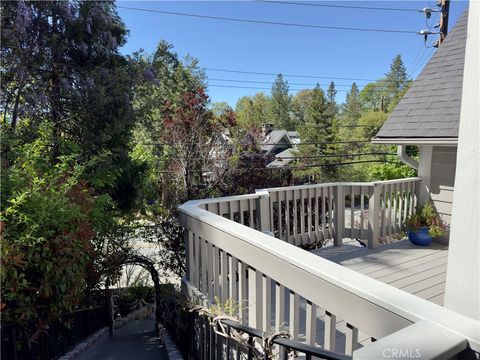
283 159
273 139
429 112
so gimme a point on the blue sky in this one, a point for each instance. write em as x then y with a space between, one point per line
281 49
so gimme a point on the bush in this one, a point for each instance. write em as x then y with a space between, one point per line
46 227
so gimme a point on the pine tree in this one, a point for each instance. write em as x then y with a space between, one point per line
331 94
281 104
317 133
395 80
352 108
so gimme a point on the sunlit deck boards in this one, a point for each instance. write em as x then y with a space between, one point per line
418 270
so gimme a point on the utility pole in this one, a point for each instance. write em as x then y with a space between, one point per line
444 9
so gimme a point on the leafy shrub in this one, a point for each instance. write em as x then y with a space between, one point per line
427 215
46 227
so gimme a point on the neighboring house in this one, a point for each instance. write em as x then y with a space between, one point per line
276 141
283 159
279 143
428 116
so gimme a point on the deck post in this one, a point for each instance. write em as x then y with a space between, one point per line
339 215
263 210
373 215
462 291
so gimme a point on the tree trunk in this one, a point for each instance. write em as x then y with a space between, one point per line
15 110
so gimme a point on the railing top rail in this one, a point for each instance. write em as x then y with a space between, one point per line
298 268
222 199
312 186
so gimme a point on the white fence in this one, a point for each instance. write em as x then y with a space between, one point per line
278 285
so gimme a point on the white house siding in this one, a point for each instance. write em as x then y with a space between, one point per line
442 178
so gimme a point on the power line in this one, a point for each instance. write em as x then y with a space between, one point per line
272 144
289 83
286 75
266 88
286 157
339 6
420 65
265 22
300 167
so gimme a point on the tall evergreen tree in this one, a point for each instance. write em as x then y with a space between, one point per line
395 80
281 104
352 108
331 95
317 134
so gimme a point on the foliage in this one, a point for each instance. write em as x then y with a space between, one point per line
395 81
318 134
164 231
390 170
141 292
247 155
187 131
61 66
281 104
253 111
426 215
48 219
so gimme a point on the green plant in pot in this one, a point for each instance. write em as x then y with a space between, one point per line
425 225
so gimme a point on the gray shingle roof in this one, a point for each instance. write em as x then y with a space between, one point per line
272 140
283 159
431 107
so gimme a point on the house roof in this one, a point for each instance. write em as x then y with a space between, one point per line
283 158
430 109
272 139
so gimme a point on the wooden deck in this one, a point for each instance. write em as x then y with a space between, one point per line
418 270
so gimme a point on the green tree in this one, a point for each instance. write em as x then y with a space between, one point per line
300 103
281 104
331 99
61 65
163 80
317 135
396 79
253 111
373 96
352 108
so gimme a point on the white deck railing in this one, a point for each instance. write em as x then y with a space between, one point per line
277 284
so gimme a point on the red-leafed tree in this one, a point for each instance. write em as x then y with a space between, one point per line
187 130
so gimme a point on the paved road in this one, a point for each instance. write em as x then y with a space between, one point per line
135 340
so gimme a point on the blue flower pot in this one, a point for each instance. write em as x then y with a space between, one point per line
420 237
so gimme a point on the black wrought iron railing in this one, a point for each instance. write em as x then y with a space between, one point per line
53 340
227 339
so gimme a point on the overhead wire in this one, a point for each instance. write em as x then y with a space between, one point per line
420 65
300 167
272 144
423 48
287 75
269 88
289 157
375 86
267 22
339 6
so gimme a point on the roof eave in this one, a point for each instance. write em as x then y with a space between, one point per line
416 141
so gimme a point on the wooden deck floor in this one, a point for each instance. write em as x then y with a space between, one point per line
418 270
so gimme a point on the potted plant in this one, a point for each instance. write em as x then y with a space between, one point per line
425 225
